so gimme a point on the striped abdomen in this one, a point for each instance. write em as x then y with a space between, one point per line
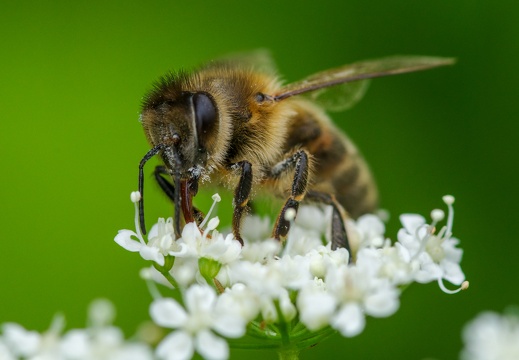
338 167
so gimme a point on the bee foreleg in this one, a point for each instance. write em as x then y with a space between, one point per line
169 190
339 233
241 196
300 160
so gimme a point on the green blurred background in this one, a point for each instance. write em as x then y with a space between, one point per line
72 76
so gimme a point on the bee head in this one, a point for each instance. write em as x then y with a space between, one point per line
186 127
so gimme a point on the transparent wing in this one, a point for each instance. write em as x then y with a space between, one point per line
360 71
340 97
258 60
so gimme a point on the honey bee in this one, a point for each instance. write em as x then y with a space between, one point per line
229 123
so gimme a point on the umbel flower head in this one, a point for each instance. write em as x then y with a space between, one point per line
492 336
285 296
100 340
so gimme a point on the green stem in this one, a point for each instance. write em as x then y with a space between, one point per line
282 326
288 354
164 270
171 279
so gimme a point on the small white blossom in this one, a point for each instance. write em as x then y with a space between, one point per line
264 280
323 258
22 342
185 271
256 229
195 324
99 341
261 251
491 336
359 291
5 352
161 242
314 219
316 305
101 312
225 250
370 231
271 282
300 241
242 299
391 262
436 253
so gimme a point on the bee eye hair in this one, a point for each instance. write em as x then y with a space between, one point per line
205 113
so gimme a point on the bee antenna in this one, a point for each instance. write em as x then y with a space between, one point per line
154 151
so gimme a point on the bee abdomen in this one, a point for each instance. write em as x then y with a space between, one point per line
355 189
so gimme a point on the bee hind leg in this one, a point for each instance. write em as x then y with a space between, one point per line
299 160
168 189
339 233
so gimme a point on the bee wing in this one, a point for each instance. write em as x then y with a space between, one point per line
340 97
258 60
360 71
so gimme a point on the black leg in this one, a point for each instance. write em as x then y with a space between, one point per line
241 196
300 161
339 234
164 184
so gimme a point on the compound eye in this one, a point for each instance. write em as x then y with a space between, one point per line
205 114
260 97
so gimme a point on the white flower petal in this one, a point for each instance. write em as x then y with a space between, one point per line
101 312
109 337
239 299
154 231
258 252
185 270
152 253
211 347
230 325
411 222
133 351
312 218
491 336
168 313
316 308
288 309
223 250
21 342
452 272
256 228
350 320
176 346
200 298
383 303
124 239
190 232
75 344
5 353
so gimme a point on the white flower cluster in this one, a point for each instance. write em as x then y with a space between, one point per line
99 341
492 336
286 295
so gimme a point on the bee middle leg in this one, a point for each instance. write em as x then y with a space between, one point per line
169 190
241 196
299 161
